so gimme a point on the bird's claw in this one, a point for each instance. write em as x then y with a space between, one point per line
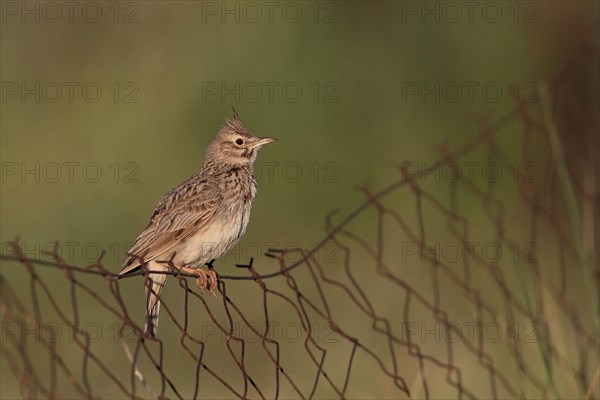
207 280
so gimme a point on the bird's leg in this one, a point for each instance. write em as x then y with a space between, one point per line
246 266
203 277
210 264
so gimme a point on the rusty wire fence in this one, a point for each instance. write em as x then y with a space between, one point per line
450 287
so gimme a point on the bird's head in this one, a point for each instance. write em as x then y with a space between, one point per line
235 145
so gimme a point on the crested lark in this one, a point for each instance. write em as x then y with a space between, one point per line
200 219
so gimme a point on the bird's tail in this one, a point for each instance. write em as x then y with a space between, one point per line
153 287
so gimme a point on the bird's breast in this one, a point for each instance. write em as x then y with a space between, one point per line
219 234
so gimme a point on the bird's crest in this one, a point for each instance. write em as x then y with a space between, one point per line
235 123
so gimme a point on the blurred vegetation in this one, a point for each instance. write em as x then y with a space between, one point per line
352 125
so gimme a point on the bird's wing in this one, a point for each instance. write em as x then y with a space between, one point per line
181 212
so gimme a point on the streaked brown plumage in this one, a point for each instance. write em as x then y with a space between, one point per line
202 218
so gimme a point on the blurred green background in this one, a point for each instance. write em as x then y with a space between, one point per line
335 83
172 60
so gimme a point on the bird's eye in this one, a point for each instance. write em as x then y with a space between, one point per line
239 142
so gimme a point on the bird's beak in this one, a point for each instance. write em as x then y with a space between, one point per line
262 141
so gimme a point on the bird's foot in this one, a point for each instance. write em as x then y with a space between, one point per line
206 279
246 266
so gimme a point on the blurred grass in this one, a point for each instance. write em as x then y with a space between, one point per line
170 53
